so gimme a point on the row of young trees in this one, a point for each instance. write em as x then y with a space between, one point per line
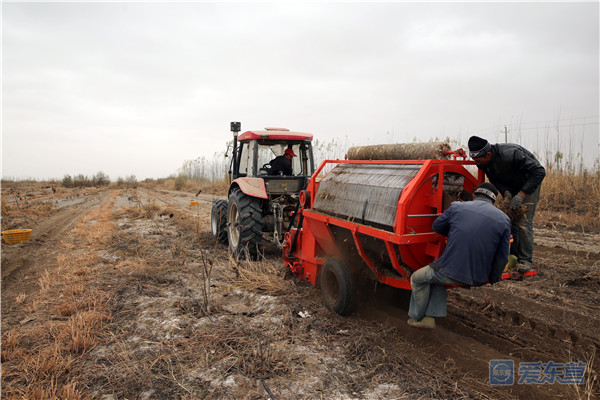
204 169
98 180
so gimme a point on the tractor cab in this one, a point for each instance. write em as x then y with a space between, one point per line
258 148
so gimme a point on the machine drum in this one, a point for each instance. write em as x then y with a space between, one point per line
364 193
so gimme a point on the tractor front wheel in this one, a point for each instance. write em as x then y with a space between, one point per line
218 220
338 287
244 225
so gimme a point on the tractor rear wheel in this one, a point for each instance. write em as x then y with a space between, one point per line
218 220
338 287
245 225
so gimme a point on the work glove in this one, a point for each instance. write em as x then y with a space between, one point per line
507 196
516 201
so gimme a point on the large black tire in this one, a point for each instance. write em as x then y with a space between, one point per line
244 225
338 287
218 220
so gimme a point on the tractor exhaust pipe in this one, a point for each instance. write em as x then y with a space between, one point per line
236 127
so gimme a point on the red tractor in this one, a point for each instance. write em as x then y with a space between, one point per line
262 203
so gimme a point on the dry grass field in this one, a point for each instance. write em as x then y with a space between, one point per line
124 294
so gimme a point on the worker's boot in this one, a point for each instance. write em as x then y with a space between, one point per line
425 323
524 268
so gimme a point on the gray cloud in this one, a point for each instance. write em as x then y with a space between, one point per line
136 88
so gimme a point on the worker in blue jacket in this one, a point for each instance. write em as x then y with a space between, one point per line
476 252
518 175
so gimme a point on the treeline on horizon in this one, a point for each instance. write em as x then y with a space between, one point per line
100 179
565 159
567 182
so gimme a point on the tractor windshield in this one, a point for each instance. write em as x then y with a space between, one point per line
265 151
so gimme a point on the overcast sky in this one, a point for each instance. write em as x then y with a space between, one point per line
137 88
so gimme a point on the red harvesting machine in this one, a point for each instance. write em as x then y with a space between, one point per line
372 219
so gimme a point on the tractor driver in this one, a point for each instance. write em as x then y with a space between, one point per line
282 165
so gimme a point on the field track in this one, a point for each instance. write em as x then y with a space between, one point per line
147 260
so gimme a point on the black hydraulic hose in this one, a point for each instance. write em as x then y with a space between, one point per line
293 217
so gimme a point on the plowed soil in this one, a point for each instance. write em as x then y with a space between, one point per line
181 319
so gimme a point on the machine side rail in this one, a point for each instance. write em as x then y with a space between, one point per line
387 237
374 232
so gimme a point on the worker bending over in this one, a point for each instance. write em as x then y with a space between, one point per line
476 252
518 175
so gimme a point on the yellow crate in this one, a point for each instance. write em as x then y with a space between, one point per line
16 235
194 202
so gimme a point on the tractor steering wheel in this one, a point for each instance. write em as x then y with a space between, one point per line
266 168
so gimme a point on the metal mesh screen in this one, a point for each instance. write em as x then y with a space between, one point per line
364 193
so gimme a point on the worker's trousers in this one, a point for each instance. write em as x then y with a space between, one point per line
428 298
522 230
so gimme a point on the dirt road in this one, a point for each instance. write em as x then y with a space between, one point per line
137 301
23 263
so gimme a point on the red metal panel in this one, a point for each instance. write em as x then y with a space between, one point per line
397 283
367 230
254 187
394 258
304 262
406 198
322 235
274 135
361 251
439 190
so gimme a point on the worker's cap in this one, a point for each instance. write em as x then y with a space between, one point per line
290 152
478 147
487 189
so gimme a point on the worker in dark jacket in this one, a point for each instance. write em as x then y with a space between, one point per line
518 175
476 252
282 165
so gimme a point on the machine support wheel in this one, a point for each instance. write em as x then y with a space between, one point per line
218 220
244 225
338 287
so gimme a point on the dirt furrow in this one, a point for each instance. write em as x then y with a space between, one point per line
23 263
